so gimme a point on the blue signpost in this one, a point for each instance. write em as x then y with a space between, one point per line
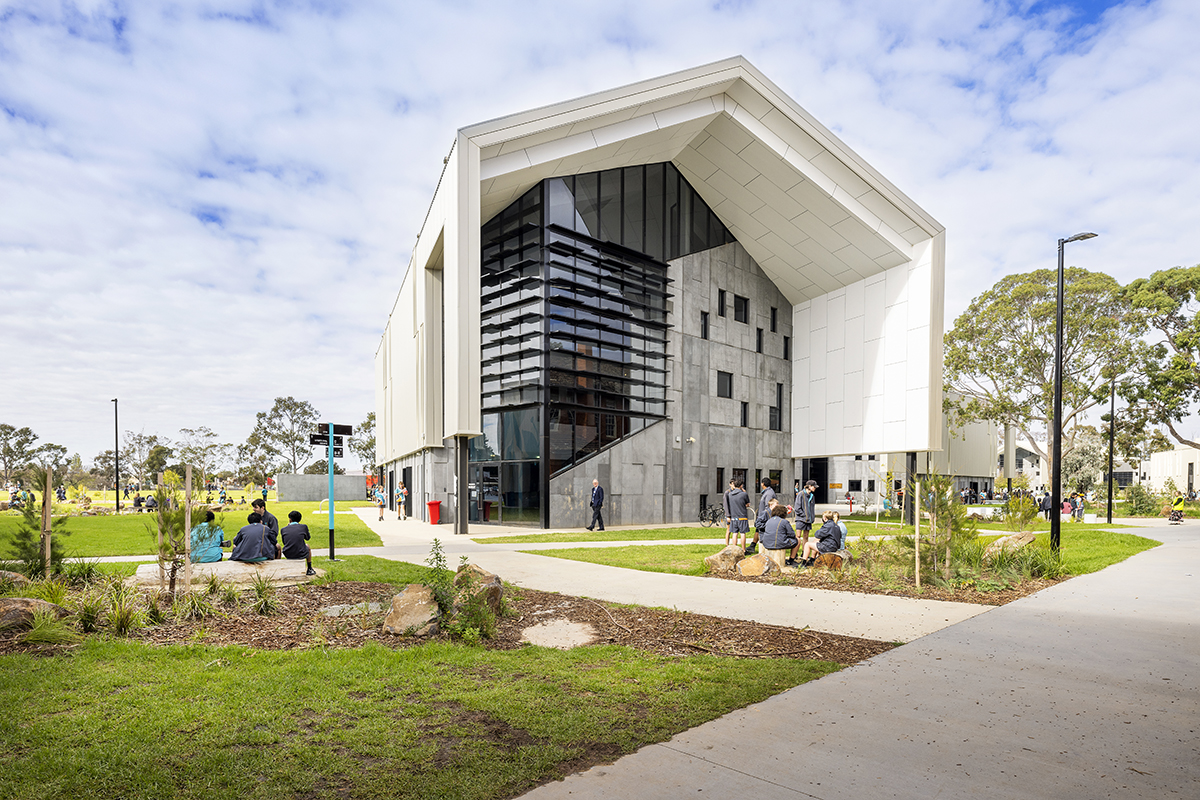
331 435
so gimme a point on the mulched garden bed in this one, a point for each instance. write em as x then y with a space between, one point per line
298 624
864 583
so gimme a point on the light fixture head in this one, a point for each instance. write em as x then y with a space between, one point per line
1079 237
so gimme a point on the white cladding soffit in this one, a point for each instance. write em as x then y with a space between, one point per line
810 211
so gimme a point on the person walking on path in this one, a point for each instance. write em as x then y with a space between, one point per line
401 499
597 504
806 510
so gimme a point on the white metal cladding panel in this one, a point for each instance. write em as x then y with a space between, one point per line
863 366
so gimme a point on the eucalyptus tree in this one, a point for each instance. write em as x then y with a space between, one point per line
284 430
999 357
1168 383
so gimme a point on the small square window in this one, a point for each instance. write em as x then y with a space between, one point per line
774 320
856 486
858 458
787 347
741 308
870 458
720 302
871 485
745 414
724 384
758 340
703 324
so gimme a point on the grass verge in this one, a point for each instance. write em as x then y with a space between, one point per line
1084 549
133 534
122 719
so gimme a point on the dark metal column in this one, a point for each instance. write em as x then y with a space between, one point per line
461 511
910 500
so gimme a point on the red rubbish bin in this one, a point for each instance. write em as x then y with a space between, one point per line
435 511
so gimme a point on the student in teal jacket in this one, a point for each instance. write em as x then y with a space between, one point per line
206 540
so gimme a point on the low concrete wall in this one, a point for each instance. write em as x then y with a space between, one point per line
313 488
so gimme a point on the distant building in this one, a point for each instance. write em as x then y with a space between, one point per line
1178 465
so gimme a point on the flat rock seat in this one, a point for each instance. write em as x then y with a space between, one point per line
281 572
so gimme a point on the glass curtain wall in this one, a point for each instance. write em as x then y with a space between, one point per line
574 292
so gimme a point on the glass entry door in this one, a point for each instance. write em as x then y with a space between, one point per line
483 493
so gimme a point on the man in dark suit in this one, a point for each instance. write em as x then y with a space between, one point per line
597 503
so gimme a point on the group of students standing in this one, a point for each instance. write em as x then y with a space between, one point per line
380 500
258 540
772 528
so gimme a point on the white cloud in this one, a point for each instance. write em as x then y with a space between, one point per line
206 205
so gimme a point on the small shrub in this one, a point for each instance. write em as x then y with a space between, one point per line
192 605
231 595
47 628
213 585
81 572
89 608
155 611
441 579
1141 502
124 611
262 596
52 591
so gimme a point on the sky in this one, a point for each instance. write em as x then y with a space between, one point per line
208 205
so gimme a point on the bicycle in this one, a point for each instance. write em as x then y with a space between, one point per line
713 515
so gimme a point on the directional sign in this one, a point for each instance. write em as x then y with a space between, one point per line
338 430
323 439
337 452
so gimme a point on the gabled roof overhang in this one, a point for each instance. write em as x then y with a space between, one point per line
813 214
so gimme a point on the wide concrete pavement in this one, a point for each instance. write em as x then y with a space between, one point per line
1088 689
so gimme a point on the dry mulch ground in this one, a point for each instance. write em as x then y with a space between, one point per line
864 583
298 624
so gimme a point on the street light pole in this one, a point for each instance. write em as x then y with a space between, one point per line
116 457
1056 483
1112 436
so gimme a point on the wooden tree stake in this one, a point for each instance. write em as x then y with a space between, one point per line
46 523
187 528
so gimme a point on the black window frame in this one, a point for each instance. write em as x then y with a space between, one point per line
741 309
720 302
728 378
758 340
775 417
745 418
787 347
774 319
703 324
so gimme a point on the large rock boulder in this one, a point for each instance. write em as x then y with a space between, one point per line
726 560
1008 543
756 566
472 580
17 612
14 578
414 611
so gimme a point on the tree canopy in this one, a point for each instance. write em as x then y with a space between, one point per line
16 449
999 357
363 442
1168 382
284 430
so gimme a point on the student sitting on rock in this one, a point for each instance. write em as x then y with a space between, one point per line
295 541
828 539
778 533
253 542
206 540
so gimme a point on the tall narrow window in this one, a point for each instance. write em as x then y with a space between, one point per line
775 422
787 347
721 480
703 324
745 414
741 308
720 302
724 384
774 320
758 340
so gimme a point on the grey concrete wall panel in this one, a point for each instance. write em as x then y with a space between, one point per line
296 488
658 475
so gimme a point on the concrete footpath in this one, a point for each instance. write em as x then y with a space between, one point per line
871 616
1087 689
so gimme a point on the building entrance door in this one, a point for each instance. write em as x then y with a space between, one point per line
483 493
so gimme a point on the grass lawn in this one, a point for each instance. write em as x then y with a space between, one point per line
118 718
1083 551
129 534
